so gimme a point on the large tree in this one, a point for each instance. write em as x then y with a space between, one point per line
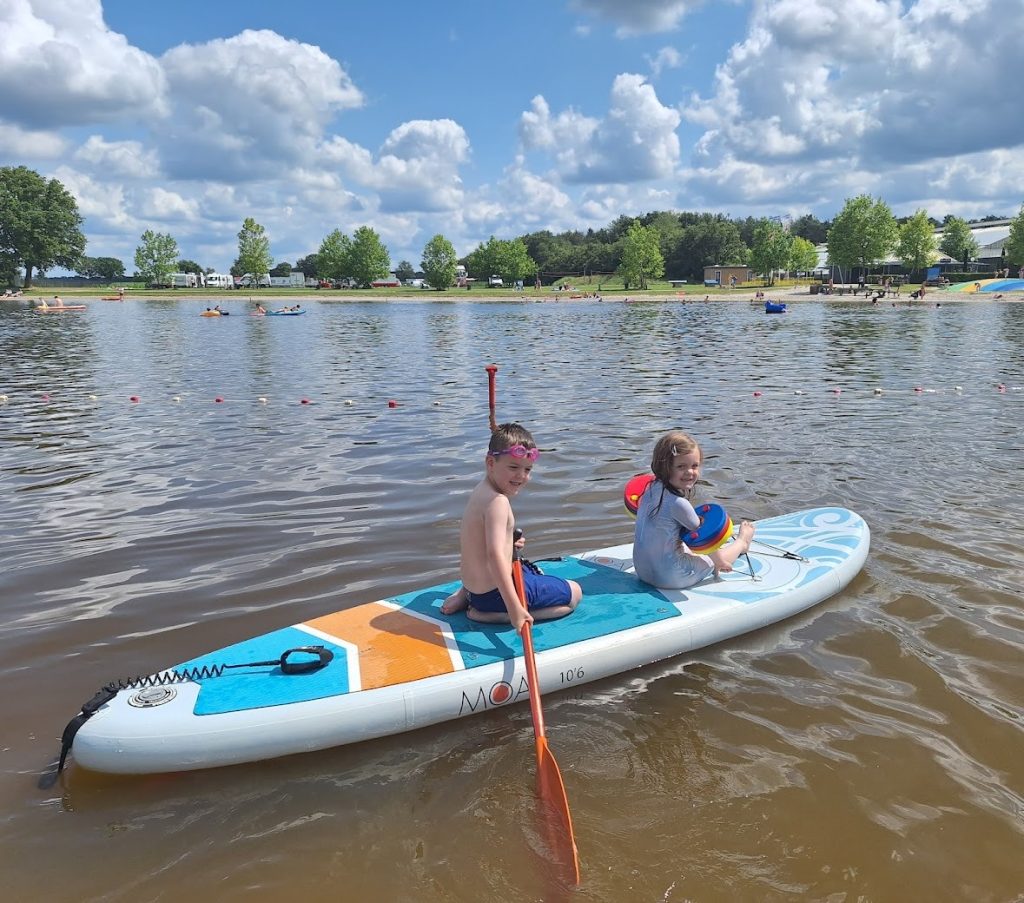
803 256
155 257
334 259
189 266
916 248
39 222
641 256
254 249
370 259
708 239
109 268
864 233
1014 246
771 249
405 271
438 263
958 241
308 265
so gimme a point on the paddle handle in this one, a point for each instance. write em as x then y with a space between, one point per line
528 655
492 372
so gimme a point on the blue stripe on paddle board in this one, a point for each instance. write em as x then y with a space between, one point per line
254 688
612 601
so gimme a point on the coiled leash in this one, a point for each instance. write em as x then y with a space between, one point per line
109 691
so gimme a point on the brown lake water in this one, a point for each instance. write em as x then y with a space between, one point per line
871 748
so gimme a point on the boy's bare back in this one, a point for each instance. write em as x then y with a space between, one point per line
486 536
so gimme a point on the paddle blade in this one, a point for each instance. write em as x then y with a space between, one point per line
551 791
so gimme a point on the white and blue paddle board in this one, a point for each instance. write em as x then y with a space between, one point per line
397 664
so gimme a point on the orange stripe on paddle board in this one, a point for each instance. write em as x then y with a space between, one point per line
393 646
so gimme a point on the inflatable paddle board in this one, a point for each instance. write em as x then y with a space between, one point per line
284 313
60 310
397 664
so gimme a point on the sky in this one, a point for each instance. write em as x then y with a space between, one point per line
473 118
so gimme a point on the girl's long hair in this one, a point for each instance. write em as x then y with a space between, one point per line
674 442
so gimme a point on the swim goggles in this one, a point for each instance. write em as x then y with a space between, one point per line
518 451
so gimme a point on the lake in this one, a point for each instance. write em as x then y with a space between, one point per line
870 748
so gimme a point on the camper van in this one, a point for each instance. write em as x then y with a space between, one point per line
220 280
295 279
184 280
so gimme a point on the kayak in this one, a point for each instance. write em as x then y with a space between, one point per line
284 313
58 310
396 664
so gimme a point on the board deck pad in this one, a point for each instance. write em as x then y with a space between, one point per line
406 638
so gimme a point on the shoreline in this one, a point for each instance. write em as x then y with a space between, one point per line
795 294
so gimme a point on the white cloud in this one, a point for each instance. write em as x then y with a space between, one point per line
635 141
665 58
127 159
638 16
60 65
245 106
27 144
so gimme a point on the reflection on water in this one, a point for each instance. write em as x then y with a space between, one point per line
869 748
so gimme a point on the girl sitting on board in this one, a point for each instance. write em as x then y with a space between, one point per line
660 557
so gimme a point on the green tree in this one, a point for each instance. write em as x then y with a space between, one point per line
109 268
1015 242
189 266
405 271
39 222
916 247
155 257
438 263
864 233
803 256
641 256
370 259
518 266
8 269
957 240
771 249
334 259
708 239
284 268
254 249
810 228
309 265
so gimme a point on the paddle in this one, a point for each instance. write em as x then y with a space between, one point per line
549 779
492 370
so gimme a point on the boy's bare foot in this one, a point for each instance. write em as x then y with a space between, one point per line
457 601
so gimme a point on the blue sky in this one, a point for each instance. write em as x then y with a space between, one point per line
475 119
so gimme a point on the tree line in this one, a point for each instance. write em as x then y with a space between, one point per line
40 228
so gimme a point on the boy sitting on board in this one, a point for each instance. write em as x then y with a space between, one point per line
487 590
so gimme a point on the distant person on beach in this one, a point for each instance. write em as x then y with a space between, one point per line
488 593
660 557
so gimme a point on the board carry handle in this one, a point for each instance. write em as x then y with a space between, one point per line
314 658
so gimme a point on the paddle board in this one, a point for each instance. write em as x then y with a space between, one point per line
58 310
397 663
284 313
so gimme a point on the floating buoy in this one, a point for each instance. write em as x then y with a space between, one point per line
634 489
715 529
799 392
837 391
304 401
262 399
878 391
92 398
392 403
918 389
176 398
218 400
958 388
133 398
757 394
46 396
3 398
349 401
